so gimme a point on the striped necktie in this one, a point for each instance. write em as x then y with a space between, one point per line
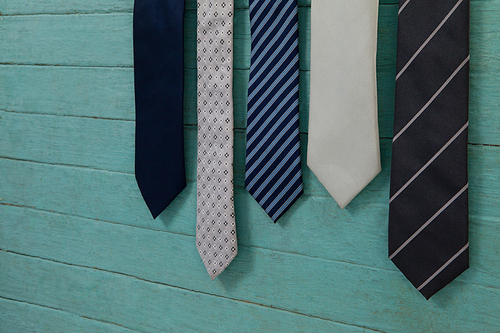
215 222
428 216
159 84
273 173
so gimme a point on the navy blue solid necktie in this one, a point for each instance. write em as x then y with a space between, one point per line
428 212
273 172
159 80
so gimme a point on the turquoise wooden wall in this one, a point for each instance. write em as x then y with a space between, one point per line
79 251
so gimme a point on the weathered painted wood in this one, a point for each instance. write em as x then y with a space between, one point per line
24 317
68 91
106 39
96 143
484 98
122 248
84 40
114 197
108 93
13 7
142 305
344 274
24 33
296 284
30 7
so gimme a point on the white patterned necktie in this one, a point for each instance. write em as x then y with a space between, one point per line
215 223
343 148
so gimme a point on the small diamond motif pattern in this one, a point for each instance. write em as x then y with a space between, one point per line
215 222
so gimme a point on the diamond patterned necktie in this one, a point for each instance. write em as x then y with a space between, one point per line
343 149
215 223
428 216
273 175
159 80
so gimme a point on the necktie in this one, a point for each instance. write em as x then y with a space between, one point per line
343 149
273 175
215 223
159 79
428 222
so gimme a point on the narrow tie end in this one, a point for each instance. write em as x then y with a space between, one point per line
343 204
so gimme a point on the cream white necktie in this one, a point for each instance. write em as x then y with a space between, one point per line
343 149
215 223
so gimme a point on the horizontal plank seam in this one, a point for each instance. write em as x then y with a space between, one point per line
130 11
34 64
236 129
189 290
103 12
79 166
91 168
64 311
65 165
483 144
52 212
65 115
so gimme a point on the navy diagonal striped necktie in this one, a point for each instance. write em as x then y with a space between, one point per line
428 216
273 172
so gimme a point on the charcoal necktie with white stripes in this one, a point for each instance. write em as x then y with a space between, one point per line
273 173
428 216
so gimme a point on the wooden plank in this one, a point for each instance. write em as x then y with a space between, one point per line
114 197
82 40
352 241
30 7
122 248
68 91
106 39
108 145
337 291
142 305
109 93
95 143
24 317
485 69
13 7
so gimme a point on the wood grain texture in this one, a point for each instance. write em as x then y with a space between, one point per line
25 317
45 39
79 191
80 252
94 244
145 306
28 7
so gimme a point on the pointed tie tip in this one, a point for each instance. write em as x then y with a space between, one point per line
155 214
155 209
343 201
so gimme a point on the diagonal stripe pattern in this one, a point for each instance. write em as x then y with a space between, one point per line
428 211
273 173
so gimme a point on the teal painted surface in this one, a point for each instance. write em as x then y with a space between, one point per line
80 253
